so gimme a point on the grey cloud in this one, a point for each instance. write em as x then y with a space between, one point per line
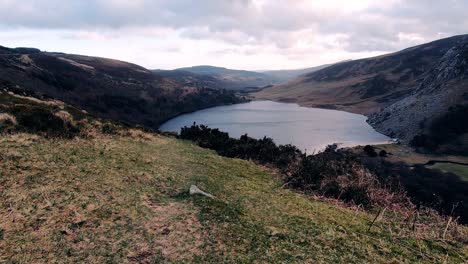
425 18
239 22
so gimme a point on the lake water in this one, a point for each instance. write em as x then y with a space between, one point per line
310 129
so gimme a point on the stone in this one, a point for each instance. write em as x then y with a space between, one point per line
195 190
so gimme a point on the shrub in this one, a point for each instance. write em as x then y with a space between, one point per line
357 195
383 153
264 150
7 123
38 120
109 128
370 151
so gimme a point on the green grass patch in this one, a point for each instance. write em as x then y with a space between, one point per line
460 170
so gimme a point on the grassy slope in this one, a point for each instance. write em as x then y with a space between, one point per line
124 198
460 170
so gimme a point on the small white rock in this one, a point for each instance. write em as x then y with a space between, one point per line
195 190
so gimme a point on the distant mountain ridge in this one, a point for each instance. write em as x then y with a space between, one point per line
233 79
246 80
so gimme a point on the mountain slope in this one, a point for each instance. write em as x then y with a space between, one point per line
364 86
233 79
440 97
288 75
110 88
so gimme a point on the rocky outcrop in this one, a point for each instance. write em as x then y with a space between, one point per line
442 87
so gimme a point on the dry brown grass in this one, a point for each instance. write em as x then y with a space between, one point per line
181 233
57 103
65 116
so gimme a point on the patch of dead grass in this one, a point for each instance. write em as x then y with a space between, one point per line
179 234
8 117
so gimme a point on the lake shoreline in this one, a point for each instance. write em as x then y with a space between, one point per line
286 123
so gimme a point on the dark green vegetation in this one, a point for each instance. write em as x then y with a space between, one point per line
447 134
369 181
108 88
263 150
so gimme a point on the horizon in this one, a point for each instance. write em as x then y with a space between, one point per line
237 34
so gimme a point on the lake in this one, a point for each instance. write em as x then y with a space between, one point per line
310 129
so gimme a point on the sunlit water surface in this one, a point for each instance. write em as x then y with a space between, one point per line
309 129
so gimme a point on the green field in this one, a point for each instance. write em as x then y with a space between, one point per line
460 170
117 199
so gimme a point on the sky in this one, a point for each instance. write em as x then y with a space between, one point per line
238 34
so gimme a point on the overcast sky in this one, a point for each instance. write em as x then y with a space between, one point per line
241 34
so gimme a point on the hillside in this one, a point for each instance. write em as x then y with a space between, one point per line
364 86
436 112
233 79
114 194
288 75
109 88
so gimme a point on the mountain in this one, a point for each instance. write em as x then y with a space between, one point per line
106 87
233 79
435 115
364 86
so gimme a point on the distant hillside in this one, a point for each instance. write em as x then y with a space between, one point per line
233 79
288 75
435 115
109 88
364 86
